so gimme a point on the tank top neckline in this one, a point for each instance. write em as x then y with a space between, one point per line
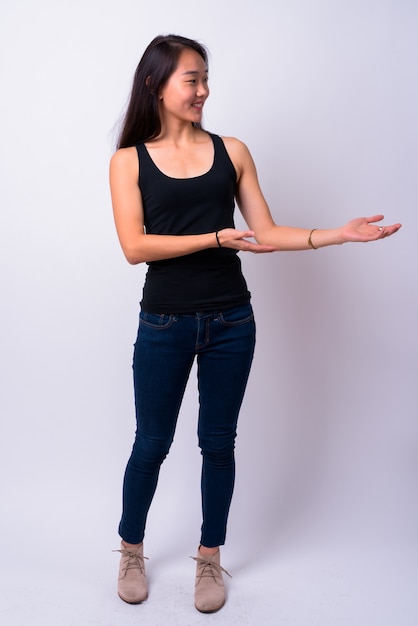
189 177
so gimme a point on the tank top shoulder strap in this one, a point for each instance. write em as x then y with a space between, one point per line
148 171
222 158
143 155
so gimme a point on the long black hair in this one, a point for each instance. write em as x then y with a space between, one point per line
142 119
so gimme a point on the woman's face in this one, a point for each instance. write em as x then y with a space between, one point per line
184 94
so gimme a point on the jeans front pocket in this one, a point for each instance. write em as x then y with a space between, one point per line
237 316
159 321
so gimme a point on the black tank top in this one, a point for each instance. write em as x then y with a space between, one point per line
206 280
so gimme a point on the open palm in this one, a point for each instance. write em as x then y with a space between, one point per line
364 229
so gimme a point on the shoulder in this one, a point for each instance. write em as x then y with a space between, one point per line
238 153
232 143
124 157
125 161
236 147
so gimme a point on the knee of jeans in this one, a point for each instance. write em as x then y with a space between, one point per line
149 452
219 450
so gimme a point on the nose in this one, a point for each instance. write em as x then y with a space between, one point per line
202 89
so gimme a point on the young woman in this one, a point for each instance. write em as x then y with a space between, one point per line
173 188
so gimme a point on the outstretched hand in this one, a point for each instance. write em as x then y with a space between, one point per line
363 229
238 240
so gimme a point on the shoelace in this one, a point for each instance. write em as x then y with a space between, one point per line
206 568
135 561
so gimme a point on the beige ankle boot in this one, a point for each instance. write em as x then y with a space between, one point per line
209 589
132 582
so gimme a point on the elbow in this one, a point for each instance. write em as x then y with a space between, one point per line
133 256
268 236
262 241
134 251
133 261
264 238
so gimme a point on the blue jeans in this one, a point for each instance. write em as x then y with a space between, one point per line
165 349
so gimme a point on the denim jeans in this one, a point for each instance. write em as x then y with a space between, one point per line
166 346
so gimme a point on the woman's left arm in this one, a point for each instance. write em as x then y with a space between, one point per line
256 213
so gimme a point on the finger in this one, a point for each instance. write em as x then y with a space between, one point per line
386 231
265 251
374 218
258 248
390 230
245 234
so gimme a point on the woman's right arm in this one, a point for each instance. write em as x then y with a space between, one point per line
128 212
129 217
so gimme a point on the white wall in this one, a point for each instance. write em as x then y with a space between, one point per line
325 95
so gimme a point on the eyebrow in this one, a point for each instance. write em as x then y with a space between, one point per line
193 72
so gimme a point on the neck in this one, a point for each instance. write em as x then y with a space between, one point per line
178 133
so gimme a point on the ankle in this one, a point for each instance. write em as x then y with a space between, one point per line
204 551
131 546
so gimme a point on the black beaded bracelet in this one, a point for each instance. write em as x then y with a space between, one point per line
217 238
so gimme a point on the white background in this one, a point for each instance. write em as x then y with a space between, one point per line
323 529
